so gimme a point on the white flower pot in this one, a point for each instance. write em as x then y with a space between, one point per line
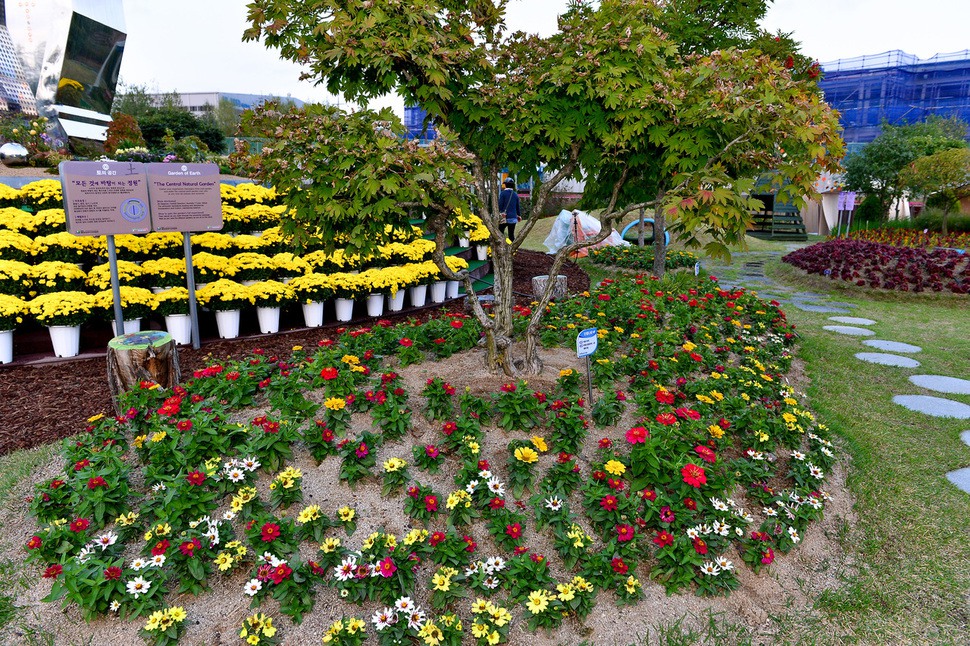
180 327
228 323
375 304
6 346
286 280
313 313
438 291
256 234
451 291
159 290
269 319
419 294
463 242
396 303
131 326
345 308
66 340
481 251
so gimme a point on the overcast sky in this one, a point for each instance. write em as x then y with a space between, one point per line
196 45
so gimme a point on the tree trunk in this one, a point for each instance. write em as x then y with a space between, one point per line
659 242
143 356
640 237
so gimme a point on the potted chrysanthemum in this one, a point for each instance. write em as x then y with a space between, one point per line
12 311
173 304
63 313
136 304
269 296
226 298
347 287
312 290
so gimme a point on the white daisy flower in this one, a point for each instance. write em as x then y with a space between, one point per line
138 586
793 534
826 452
471 486
770 511
471 569
490 582
250 463
84 554
495 564
710 569
798 455
416 619
719 505
554 503
815 471
692 533
384 618
158 560
229 515
139 564
485 474
159 487
236 475
252 587
815 503
345 571
106 540
496 487
114 606
404 604
739 532
724 563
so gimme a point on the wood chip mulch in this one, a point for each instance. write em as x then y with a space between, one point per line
44 402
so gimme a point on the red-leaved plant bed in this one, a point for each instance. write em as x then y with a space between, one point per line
870 264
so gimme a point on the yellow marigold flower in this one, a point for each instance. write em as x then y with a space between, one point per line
615 467
566 592
716 431
538 601
565 372
159 436
540 443
394 464
346 514
307 514
527 455
329 545
479 630
335 403
224 560
632 583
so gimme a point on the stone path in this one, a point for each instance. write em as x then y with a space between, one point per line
751 276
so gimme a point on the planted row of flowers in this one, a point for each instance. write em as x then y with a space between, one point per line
721 465
640 258
877 265
913 238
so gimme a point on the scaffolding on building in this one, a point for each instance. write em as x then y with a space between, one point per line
897 88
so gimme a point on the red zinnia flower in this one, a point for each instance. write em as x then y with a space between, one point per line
508 388
637 435
34 543
160 547
619 566
767 556
649 494
457 325
431 503
449 428
270 532
281 572
328 373
436 538
56 484
608 503
666 514
690 504
80 464
606 443
188 547
470 544
406 342
667 419
693 475
195 478
664 538
624 533
112 573
184 425
362 450
664 397
431 451
96 481
497 503
514 530
706 453
603 297
700 546
53 571
80 524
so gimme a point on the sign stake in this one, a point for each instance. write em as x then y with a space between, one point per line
190 284
115 285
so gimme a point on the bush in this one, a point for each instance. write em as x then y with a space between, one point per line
182 124
123 133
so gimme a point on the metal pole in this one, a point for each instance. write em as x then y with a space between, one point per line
589 380
115 286
190 283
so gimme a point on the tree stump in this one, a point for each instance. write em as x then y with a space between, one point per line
142 356
558 291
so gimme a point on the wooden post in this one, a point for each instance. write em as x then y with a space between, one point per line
142 356
539 287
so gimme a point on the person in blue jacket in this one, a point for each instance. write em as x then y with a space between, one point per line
508 206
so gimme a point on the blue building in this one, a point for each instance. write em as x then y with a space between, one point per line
414 123
896 87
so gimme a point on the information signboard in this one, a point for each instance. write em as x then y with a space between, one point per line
586 342
185 197
105 198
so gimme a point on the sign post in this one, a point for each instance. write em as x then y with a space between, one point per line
586 343
104 199
186 198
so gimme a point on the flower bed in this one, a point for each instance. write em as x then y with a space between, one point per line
876 265
913 238
519 511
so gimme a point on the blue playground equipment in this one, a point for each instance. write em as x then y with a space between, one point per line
646 221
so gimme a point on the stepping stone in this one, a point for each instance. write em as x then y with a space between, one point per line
933 406
821 309
852 320
841 304
961 478
892 346
851 331
941 384
965 436
888 359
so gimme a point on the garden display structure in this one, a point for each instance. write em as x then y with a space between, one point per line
486 505
37 256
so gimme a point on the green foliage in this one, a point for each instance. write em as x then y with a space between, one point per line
875 170
156 124
944 175
123 132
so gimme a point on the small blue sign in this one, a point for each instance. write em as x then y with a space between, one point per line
586 342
